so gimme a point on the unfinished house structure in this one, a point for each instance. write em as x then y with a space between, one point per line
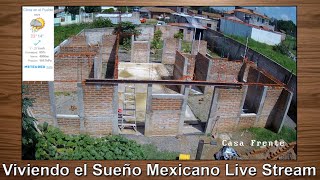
186 93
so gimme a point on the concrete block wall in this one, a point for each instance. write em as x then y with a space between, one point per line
99 109
201 48
170 46
108 54
43 107
140 52
74 69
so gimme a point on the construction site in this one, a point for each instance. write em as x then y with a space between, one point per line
99 91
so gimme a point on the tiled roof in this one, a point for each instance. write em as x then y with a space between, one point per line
246 11
158 9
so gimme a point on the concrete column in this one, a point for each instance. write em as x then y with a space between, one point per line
149 46
263 98
179 45
278 126
212 117
115 104
183 109
147 126
206 88
184 73
163 50
81 106
243 99
53 103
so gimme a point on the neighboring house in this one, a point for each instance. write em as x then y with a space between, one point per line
133 17
61 18
251 17
249 23
179 9
155 12
234 26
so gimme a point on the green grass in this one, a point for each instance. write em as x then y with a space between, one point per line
152 153
64 32
263 134
186 46
267 50
291 43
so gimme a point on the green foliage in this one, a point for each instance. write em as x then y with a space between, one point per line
72 9
64 32
92 9
127 43
178 35
186 46
126 29
268 51
101 23
151 152
29 132
281 48
263 134
110 10
157 43
288 26
124 9
55 145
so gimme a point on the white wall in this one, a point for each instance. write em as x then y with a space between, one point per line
267 37
235 28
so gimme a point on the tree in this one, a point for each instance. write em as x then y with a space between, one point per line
110 10
156 42
288 26
29 133
124 9
74 10
126 29
92 9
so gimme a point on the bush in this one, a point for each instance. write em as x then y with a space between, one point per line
157 42
127 43
29 132
178 35
281 48
102 23
110 10
55 145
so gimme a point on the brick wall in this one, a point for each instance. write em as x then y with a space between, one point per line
171 45
98 109
202 47
39 91
228 108
165 116
72 69
246 122
178 66
169 31
201 67
140 52
69 125
271 98
224 70
68 49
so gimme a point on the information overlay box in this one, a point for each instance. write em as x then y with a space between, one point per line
38 43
